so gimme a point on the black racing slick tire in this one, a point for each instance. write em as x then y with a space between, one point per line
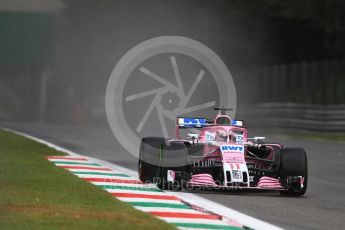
294 164
157 156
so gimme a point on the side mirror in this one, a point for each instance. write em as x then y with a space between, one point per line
193 136
259 139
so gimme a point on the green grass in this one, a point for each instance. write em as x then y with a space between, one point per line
34 194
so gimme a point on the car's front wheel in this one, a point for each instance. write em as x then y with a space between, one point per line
294 171
158 157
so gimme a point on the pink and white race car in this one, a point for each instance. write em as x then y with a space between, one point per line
221 156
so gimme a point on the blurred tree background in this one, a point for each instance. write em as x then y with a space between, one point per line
305 40
56 56
301 30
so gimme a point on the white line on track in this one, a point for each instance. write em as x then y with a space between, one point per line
57 161
89 170
192 220
122 184
133 191
149 200
193 199
166 209
102 176
79 165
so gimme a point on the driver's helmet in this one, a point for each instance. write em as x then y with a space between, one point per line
221 135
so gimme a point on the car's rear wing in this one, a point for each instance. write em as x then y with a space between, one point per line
199 123
238 123
190 122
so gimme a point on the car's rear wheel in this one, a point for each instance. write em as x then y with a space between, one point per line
294 171
157 156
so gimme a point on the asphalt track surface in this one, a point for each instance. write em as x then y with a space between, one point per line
323 206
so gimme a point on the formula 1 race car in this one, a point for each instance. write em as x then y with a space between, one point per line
221 156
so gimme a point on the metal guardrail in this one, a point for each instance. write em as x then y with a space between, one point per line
316 118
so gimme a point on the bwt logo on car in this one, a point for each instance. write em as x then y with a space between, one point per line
232 147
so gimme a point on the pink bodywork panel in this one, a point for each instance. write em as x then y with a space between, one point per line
234 159
233 156
202 179
267 183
